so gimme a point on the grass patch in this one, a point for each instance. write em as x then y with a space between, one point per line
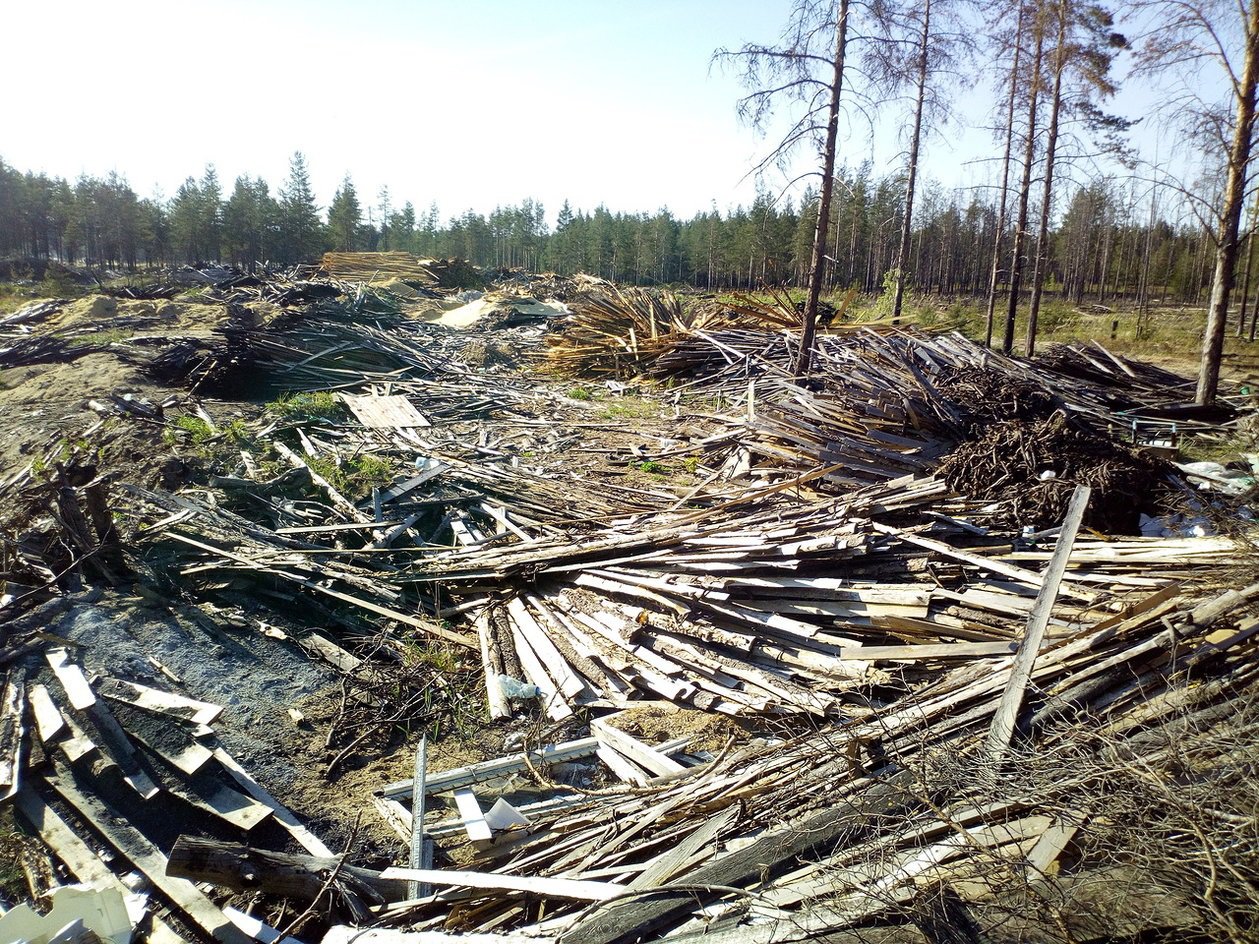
580 393
12 879
631 408
103 338
314 405
356 475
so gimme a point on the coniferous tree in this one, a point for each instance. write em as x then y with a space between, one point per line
301 234
345 218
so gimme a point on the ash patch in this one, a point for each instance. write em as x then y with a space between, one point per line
253 678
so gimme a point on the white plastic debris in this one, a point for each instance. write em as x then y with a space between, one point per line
516 689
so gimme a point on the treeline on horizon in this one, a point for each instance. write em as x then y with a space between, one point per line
1106 245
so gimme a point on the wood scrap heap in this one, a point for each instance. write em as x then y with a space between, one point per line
433 646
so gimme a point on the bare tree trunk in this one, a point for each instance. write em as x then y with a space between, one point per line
1046 200
1005 178
817 266
1025 187
1250 258
912 176
1230 216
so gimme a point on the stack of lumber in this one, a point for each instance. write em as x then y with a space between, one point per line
376 267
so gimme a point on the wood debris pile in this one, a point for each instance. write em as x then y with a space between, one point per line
623 332
377 266
931 715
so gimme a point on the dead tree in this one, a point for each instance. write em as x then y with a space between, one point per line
1186 36
804 70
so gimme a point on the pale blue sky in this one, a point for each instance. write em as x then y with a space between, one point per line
470 103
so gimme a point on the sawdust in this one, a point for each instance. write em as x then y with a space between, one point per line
103 313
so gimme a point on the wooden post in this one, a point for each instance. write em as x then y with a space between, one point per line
1003 722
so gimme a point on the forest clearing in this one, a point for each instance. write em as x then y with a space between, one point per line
327 620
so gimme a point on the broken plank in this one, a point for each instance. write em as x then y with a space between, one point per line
72 679
555 887
129 841
305 838
642 754
158 701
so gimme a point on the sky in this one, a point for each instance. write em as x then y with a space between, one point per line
471 103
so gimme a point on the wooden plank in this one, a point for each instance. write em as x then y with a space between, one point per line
667 864
122 751
188 759
474 823
1006 716
499 706
624 768
120 834
1052 842
553 887
557 667
48 720
642 754
553 702
159 702
953 650
384 412
72 679
12 732
305 838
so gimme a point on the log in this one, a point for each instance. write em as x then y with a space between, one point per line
242 868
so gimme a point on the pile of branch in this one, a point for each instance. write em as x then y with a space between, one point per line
1032 466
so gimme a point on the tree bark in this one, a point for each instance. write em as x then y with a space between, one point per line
912 175
1230 216
818 263
1046 200
1025 186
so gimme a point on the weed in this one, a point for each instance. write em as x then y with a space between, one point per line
652 467
198 431
237 434
436 655
580 393
691 464
12 879
314 405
